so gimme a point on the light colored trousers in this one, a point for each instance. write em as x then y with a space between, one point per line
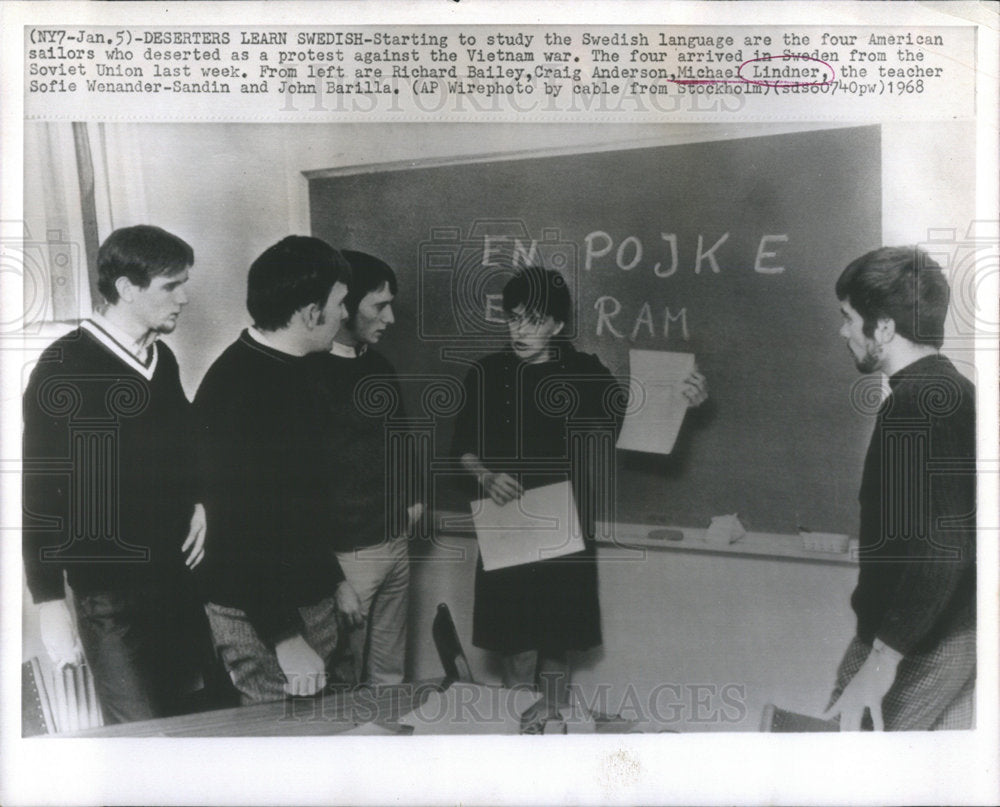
381 577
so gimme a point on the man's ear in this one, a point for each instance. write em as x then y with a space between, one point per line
885 330
125 289
310 315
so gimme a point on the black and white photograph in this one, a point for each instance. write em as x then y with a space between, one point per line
425 444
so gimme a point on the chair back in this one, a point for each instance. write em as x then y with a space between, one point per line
449 648
54 701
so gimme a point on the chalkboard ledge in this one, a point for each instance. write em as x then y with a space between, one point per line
692 539
625 538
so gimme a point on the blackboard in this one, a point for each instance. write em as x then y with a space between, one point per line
782 439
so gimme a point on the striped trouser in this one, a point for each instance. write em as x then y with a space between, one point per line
933 690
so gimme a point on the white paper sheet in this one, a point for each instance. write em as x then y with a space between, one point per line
656 406
542 524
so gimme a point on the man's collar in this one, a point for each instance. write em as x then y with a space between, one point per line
347 351
136 347
121 345
258 336
925 365
261 338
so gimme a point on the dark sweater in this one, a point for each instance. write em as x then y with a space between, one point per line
518 418
108 468
370 492
265 445
918 511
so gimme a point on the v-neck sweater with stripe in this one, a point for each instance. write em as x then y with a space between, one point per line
109 466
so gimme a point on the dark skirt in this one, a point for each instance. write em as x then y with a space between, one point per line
550 606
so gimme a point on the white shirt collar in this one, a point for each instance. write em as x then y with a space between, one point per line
137 347
346 351
258 336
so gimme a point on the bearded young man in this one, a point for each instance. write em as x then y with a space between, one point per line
912 663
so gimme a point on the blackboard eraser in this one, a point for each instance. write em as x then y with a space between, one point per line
665 535
824 541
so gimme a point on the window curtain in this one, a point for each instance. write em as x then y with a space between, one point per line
82 180
56 277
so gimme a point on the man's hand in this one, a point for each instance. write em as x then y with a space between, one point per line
194 544
349 604
59 635
414 513
304 670
695 388
502 488
866 690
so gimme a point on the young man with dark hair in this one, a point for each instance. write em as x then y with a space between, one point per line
109 496
373 529
912 663
273 586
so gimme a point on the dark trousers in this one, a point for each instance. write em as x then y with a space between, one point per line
149 651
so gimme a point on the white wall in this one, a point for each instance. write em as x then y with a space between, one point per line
928 197
692 641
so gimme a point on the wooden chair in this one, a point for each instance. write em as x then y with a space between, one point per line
776 719
54 701
449 648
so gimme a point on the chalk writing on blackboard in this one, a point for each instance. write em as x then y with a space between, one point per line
653 319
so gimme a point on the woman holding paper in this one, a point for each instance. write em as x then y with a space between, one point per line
535 414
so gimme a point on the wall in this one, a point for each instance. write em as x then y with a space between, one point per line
691 641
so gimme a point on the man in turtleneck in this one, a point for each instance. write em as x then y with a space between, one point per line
912 663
